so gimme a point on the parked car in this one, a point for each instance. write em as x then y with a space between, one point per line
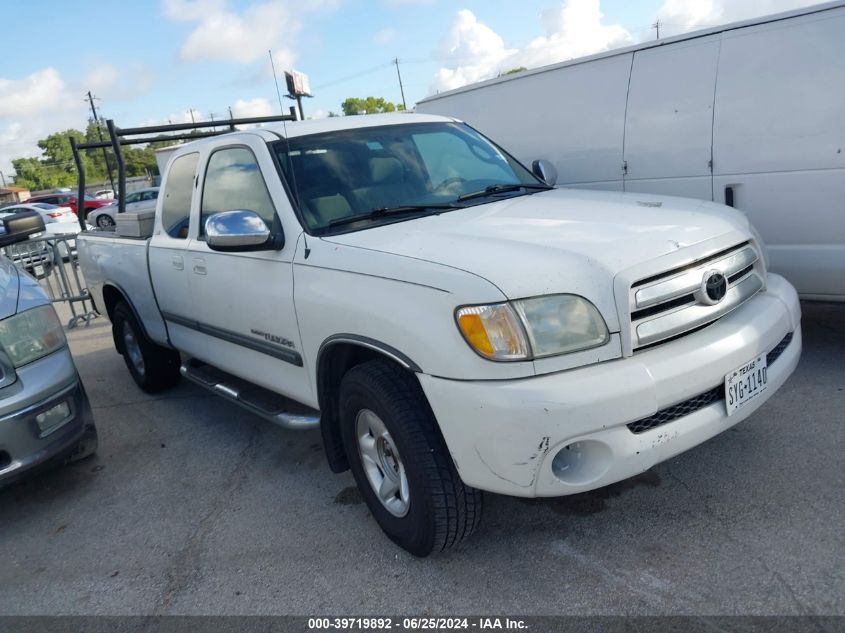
746 114
104 194
50 212
58 221
70 200
449 320
46 417
136 202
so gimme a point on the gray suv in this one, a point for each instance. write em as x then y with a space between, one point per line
45 416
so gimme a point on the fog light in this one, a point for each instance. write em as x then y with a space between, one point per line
582 462
53 418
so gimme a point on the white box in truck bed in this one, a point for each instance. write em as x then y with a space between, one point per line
135 224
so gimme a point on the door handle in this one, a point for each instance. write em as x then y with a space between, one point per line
199 266
177 262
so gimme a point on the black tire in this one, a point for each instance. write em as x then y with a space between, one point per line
159 366
442 510
105 222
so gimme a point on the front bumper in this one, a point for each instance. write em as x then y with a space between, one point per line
504 435
41 386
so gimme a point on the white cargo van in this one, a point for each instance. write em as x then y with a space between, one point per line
750 114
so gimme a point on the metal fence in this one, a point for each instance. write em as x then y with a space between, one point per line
53 262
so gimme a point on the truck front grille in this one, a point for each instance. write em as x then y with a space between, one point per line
716 394
675 302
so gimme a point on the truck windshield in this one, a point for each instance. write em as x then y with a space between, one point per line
355 179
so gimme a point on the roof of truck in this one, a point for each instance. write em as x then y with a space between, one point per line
293 129
332 124
817 8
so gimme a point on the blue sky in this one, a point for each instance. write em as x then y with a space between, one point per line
153 60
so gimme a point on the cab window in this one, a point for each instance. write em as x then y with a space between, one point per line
176 208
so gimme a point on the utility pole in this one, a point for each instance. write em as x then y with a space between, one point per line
401 89
3 178
191 112
656 26
100 134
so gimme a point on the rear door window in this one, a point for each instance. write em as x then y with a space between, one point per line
178 190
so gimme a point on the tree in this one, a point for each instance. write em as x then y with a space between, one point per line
57 167
513 71
368 105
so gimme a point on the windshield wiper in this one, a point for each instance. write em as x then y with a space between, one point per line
503 188
384 212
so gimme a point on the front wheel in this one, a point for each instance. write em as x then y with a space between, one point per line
400 460
105 222
152 366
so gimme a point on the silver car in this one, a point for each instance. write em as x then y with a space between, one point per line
45 416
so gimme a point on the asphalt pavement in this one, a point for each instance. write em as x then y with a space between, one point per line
192 506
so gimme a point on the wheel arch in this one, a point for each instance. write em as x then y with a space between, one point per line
337 355
112 295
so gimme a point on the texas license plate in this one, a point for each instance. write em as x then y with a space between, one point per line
745 383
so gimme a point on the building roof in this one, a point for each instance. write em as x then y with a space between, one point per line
13 190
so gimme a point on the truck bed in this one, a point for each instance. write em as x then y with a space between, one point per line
106 258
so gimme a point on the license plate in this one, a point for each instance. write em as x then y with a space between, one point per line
745 383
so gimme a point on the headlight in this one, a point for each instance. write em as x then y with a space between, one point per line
494 331
32 334
559 324
533 328
764 253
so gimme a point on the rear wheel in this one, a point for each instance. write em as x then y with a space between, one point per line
400 460
152 366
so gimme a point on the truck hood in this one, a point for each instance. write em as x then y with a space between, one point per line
18 291
564 240
9 288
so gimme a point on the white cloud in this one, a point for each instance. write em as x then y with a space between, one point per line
680 16
42 91
259 106
573 30
477 51
32 108
109 83
190 10
385 36
318 114
472 51
242 36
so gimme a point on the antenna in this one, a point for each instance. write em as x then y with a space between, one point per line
276 80
401 89
656 26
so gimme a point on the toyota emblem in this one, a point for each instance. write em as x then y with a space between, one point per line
714 287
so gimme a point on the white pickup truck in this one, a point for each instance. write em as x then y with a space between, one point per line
449 320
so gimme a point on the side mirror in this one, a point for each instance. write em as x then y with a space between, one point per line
545 171
17 227
239 230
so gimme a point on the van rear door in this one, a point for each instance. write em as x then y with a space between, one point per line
669 120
